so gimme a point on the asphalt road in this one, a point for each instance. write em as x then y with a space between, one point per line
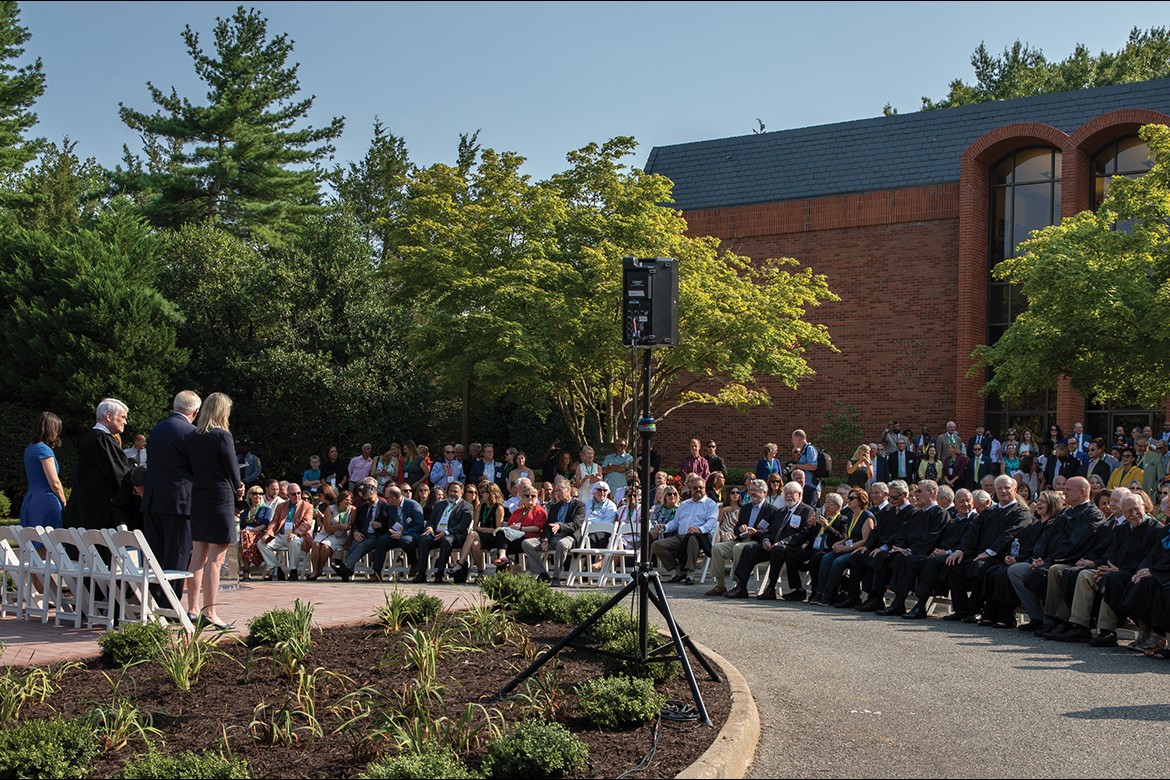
846 694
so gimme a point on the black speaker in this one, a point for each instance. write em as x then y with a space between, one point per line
649 302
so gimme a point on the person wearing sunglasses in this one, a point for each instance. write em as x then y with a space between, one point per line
448 470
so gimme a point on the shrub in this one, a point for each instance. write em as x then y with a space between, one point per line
617 622
46 748
5 505
421 608
133 643
614 702
627 644
279 625
544 603
507 589
432 762
535 748
188 764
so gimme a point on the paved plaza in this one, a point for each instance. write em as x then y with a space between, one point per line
842 694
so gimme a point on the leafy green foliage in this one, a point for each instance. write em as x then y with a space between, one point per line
187 765
19 90
1117 280
81 311
1023 71
614 702
241 161
535 748
133 643
279 625
630 666
62 191
374 190
532 599
5 506
46 749
433 762
841 431
613 624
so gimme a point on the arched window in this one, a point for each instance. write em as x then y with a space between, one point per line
1025 196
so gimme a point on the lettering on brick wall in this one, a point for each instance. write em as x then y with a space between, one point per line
909 343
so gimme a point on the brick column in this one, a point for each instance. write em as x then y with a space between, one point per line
1070 405
971 322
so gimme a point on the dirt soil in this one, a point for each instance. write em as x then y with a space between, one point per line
218 709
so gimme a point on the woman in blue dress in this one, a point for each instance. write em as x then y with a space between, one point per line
45 497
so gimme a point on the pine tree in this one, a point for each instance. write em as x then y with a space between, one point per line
238 161
374 189
19 90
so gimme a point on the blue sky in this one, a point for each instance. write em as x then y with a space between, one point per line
542 79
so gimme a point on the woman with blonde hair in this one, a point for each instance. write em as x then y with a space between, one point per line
215 487
859 468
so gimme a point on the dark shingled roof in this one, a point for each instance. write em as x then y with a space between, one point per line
883 153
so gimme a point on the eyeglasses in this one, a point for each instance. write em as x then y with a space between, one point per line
853 497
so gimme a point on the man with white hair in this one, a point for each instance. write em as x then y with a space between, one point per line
166 498
755 520
101 465
691 530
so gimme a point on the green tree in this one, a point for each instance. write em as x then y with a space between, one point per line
375 188
62 192
515 288
81 319
1023 71
20 87
305 338
238 161
1097 297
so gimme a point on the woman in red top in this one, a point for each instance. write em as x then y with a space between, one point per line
525 523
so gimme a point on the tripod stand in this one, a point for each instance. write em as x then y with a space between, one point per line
645 582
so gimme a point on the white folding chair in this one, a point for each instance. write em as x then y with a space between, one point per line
581 559
11 574
139 569
34 595
618 554
102 592
67 575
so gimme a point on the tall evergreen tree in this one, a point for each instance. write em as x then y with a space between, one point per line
238 161
374 189
19 89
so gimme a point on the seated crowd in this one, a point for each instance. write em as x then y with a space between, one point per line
1064 529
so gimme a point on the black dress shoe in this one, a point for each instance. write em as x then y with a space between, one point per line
440 579
848 603
767 595
872 605
795 595
957 616
736 593
918 613
1032 625
1104 639
893 610
1073 633
543 577
678 577
419 580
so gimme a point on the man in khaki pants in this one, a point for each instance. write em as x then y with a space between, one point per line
755 519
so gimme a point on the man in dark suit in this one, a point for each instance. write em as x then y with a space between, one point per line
1097 463
900 463
982 438
101 467
370 531
566 519
450 522
755 521
787 521
920 572
917 535
978 466
487 467
166 497
1083 439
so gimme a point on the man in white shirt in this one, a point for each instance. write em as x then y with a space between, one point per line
599 509
137 453
691 530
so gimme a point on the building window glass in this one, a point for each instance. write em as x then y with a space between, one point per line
1025 196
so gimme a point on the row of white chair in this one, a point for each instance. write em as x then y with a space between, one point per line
98 576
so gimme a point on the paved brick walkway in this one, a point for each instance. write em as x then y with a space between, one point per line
335 603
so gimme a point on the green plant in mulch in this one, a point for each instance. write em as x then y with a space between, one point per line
133 643
613 624
535 749
627 644
433 761
46 749
614 702
279 625
187 765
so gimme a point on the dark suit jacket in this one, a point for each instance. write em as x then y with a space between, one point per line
887 524
1070 535
893 465
101 466
168 474
921 531
1101 468
994 530
475 474
781 521
574 516
458 523
977 469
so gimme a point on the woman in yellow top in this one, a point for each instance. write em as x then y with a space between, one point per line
1126 472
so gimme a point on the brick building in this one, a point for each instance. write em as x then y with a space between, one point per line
905 215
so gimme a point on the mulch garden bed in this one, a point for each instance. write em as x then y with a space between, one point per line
215 714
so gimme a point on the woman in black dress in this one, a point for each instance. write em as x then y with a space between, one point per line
215 487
